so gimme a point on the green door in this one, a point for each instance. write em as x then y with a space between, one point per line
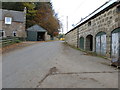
82 43
32 36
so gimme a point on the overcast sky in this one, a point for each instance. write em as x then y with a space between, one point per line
75 10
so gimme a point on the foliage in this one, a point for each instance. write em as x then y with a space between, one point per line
31 13
17 41
45 18
61 36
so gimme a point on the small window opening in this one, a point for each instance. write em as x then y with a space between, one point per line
14 33
2 33
89 23
8 20
118 8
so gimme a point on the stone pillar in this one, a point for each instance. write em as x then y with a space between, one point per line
94 43
78 38
108 45
84 43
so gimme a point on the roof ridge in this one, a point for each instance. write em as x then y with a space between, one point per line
12 10
36 27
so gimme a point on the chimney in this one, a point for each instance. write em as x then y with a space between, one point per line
25 9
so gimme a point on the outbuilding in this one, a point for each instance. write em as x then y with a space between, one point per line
37 33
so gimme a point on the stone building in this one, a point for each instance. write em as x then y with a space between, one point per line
12 23
99 32
71 37
37 33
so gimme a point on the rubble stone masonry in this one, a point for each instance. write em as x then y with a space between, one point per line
106 21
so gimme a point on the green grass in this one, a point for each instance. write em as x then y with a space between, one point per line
87 52
17 41
10 42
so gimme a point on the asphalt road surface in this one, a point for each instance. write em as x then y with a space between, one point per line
56 65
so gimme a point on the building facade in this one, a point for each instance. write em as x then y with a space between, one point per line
100 31
71 37
12 23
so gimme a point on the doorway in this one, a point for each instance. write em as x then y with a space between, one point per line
101 43
40 36
82 42
89 43
115 44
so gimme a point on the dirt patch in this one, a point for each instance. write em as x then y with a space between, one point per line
15 46
104 63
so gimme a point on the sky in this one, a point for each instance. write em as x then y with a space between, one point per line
74 10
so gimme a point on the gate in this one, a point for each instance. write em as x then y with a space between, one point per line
81 42
89 43
115 44
101 43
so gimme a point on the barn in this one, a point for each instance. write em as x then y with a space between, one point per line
37 33
99 32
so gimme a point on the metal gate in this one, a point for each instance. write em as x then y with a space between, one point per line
115 44
101 43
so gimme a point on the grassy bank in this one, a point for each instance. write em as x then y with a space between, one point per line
86 52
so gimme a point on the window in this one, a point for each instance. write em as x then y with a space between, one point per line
89 23
14 33
2 33
118 8
8 20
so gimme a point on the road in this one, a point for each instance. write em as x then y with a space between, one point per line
56 65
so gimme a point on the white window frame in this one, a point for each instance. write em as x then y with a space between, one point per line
15 33
8 20
2 31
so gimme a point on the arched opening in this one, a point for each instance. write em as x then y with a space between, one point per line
89 43
82 42
115 46
101 43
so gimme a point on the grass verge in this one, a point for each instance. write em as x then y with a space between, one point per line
86 52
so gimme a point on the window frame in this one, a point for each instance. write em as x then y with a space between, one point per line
8 20
14 33
2 33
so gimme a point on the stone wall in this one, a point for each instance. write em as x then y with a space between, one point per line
71 38
106 22
47 37
15 26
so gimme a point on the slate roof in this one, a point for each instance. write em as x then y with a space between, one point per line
17 16
36 28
